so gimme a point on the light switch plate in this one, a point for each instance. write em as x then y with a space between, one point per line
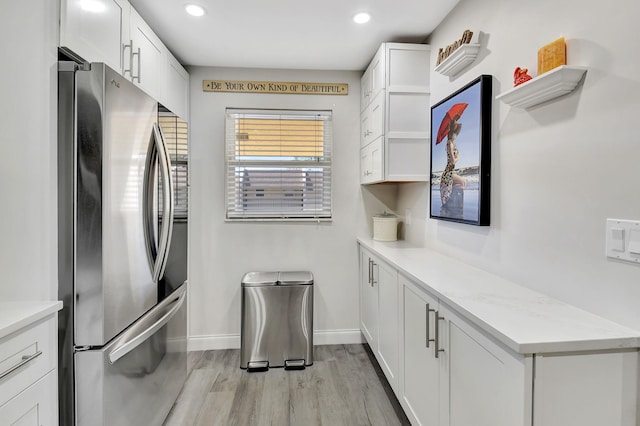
623 240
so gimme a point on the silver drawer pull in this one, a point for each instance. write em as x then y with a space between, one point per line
25 360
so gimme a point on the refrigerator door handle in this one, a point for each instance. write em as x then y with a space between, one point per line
157 154
167 198
148 325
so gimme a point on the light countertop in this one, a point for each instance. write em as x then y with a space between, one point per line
522 319
16 315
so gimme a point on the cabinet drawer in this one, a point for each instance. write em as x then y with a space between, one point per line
32 352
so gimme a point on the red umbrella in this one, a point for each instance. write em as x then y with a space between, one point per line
453 114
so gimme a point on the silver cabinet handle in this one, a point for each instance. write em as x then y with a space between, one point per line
370 271
427 323
25 360
130 47
135 77
436 349
373 276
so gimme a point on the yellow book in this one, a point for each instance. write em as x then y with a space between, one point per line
552 55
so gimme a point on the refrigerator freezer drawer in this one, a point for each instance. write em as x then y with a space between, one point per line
137 377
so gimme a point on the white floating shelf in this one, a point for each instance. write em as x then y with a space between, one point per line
550 85
458 60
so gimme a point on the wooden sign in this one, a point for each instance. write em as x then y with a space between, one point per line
278 87
444 53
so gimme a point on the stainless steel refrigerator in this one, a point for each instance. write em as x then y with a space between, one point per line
122 254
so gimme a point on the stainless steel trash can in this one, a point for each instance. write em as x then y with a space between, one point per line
277 320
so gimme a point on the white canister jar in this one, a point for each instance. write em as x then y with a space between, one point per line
385 227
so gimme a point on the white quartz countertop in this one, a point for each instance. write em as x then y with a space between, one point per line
16 315
522 319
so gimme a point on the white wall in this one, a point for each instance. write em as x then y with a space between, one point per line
28 136
221 252
559 169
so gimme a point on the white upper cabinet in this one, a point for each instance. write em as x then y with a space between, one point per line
147 64
112 31
372 81
95 30
394 104
175 93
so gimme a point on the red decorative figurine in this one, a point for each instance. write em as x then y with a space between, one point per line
520 76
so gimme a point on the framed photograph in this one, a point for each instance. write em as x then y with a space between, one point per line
461 155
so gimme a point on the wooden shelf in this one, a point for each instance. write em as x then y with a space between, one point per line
458 60
550 85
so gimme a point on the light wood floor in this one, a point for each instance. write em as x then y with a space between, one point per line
342 387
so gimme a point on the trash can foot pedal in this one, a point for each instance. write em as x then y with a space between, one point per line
257 366
294 364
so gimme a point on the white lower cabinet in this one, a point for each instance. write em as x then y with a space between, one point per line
368 300
452 374
481 383
35 406
420 371
447 371
28 375
379 314
388 331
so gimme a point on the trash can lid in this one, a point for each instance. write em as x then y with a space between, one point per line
295 278
257 279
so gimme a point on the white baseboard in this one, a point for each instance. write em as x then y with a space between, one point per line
232 341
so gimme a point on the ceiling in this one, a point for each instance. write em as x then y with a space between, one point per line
289 34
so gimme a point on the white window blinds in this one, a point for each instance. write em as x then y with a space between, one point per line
175 132
278 164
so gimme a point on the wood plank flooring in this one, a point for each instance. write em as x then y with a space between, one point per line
342 387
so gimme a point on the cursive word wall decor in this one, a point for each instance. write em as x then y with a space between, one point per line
444 53
279 87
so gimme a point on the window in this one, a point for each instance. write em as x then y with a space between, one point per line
278 164
174 130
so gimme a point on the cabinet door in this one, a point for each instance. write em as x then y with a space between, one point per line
147 58
372 121
96 31
36 406
176 88
482 383
368 300
420 369
365 89
388 331
372 161
377 71
365 138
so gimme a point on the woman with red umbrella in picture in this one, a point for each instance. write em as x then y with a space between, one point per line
450 128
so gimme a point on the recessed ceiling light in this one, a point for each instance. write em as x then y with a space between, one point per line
94 6
194 10
361 18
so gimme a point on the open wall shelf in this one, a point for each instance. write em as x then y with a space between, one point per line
550 85
458 60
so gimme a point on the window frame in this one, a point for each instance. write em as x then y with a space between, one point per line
324 164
